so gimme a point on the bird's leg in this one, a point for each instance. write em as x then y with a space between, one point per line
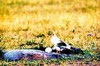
58 52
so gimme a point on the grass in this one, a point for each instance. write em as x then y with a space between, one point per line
73 21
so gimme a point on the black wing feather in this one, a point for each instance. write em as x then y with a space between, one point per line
61 43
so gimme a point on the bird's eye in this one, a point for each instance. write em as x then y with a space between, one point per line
49 32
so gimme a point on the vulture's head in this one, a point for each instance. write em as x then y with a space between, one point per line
51 33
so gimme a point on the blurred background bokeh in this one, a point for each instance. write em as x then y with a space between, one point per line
74 21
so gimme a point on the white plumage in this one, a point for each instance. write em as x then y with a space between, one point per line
57 43
68 47
56 48
48 50
55 40
61 46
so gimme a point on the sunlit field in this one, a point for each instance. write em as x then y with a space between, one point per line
74 21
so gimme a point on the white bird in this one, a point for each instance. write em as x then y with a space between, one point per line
61 46
58 42
48 50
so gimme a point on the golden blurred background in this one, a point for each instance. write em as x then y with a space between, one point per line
72 21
